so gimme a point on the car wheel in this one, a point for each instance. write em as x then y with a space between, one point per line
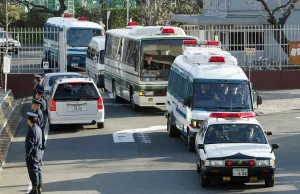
191 142
270 183
116 97
100 125
205 182
172 130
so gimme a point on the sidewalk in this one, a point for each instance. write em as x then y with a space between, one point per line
275 101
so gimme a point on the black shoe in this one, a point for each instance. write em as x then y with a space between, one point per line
34 190
40 188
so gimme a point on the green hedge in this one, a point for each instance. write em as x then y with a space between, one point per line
117 17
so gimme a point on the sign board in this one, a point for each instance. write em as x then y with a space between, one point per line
6 64
250 51
108 15
45 65
294 53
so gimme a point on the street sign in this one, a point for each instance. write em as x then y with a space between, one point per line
250 51
6 64
108 14
45 65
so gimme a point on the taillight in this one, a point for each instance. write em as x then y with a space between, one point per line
52 105
228 163
164 92
251 163
100 103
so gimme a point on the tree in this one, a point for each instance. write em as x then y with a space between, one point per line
123 3
13 14
41 8
286 10
189 7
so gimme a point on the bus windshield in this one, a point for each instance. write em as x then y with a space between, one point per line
222 96
157 58
82 37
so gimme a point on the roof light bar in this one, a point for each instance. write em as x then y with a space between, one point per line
82 19
167 31
68 15
232 115
189 42
217 59
132 24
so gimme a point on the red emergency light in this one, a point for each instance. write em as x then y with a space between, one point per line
82 19
232 115
68 15
217 59
167 31
215 43
189 42
132 24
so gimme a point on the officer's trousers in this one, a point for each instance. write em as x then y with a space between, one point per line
34 171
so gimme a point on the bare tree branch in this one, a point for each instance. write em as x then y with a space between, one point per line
288 12
280 7
272 19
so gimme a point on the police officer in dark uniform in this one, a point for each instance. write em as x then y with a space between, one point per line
36 108
37 80
33 144
39 97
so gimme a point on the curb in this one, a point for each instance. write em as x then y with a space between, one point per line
8 131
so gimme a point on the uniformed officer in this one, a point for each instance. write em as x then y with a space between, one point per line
33 144
39 97
37 80
36 108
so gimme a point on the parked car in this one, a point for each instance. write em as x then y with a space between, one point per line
49 79
13 45
75 101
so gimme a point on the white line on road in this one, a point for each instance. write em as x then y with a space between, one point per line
126 135
46 137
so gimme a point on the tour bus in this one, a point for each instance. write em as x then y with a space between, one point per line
95 60
79 34
138 60
204 79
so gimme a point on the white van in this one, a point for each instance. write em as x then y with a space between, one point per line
201 81
95 60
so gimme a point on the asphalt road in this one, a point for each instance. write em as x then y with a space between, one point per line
86 160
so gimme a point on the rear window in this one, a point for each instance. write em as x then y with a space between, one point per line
76 91
53 78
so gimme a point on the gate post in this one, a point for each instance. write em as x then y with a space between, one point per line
63 50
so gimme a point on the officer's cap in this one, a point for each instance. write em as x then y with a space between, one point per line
40 91
35 101
37 76
32 115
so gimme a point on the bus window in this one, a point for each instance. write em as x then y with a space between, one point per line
157 58
82 37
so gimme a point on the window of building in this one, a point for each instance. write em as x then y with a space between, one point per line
239 40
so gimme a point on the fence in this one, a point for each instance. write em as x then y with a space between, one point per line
26 47
271 43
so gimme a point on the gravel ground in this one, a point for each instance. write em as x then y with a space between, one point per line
275 101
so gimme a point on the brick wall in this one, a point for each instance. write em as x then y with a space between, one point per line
20 84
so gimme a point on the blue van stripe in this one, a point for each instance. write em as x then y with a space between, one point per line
180 112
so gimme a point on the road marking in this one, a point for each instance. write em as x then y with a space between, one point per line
46 137
144 137
126 135
297 117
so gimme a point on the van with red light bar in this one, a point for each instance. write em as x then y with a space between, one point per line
232 146
204 79
79 33
138 61
75 101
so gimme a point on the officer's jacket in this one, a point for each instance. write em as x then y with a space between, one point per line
43 105
36 86
33 142
41 121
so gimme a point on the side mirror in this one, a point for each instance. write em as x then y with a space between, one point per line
95 59
274 146
187 101
201 146
268 133
101 90
259 100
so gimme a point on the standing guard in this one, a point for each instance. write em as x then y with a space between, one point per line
33 145
37 80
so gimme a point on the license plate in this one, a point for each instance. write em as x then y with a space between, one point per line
240 172
76 58
74 64
76 108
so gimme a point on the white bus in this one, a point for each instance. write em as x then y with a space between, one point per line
138 61
79 34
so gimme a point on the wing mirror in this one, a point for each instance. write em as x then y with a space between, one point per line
101 90
95 59
268 133
187 101
274 146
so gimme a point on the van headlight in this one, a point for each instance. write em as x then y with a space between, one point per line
261 163
214 163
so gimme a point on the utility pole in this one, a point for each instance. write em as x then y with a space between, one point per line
6 14
127 11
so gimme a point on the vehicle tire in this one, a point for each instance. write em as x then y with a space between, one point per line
198 167
270 183
116 97
134 106
52 127
190 142
172 130
205 182
100 125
